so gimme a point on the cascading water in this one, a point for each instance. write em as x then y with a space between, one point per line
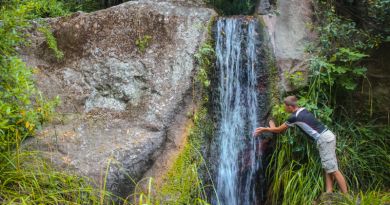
238 65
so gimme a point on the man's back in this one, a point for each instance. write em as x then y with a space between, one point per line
306 121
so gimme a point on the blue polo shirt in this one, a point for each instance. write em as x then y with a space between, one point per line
306 121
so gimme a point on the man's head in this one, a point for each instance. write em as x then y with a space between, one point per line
290 103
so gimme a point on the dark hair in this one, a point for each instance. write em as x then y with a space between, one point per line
291 100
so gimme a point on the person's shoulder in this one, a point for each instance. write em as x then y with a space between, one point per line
292 118
306 111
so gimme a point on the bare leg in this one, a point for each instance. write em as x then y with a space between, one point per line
329 182
340 181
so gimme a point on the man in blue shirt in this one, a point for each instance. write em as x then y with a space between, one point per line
324 138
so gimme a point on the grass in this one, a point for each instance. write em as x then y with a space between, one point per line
35 181
184 183
28 178
296 175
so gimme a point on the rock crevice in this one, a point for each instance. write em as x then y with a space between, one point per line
125 74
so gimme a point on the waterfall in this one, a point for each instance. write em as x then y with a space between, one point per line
237 49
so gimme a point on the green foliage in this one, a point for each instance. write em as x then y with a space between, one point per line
337 57
335 71
233 7
51 41
297 79
15 16
89 5
143 42
296 170
369 198
183 184
185 181
27 178
205 58
32 9
22 108
83 5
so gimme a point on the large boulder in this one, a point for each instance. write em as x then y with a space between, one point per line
124 77
289 26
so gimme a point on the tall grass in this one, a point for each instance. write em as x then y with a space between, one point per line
184 183
35 181
363 155
336 68
294 171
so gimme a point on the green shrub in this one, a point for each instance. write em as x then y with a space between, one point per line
27 178
336 68
22 108
233 7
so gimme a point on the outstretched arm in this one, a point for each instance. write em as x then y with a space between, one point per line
272 128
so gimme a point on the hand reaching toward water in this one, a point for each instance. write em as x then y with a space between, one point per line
259 130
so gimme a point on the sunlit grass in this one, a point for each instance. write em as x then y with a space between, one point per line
297 177
35 181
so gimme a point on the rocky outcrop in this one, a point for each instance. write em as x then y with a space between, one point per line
335 198
122 81
289 31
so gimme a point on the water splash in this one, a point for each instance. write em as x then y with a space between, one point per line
237 44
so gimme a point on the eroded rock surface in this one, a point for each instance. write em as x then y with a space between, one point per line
122 81
290 31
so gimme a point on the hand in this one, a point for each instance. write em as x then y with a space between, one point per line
258 131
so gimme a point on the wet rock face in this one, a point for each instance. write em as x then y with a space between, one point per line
290 33
122 81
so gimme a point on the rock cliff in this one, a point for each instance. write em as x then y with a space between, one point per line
289 24
124 77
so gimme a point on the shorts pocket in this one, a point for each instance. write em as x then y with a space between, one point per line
328 136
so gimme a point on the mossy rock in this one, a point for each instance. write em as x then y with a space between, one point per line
333 198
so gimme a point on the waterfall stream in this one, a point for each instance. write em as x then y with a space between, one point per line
238 65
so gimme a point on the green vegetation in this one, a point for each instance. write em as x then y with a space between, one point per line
51 41
206 63
183 184
22 108
233 7
336 70
25 177
89 5
142 43
28 179
188 181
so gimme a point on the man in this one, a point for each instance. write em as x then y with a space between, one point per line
324 138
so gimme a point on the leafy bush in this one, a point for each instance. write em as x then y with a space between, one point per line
22 108
336 68
89 5
233 7
27 178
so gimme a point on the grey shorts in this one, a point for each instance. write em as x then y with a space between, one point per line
326 145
